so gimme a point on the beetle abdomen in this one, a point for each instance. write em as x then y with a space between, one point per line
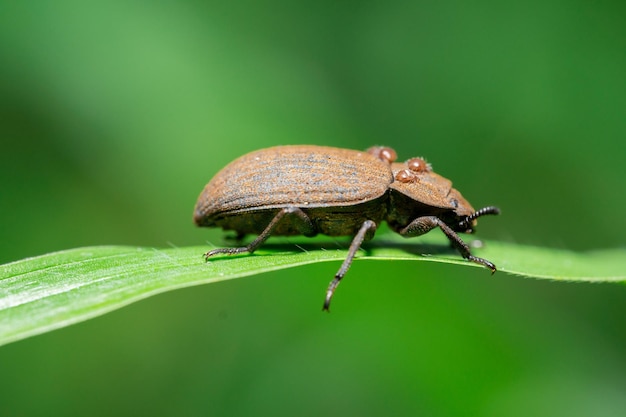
304 176
330 221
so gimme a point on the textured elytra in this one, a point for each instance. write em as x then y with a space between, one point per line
303 176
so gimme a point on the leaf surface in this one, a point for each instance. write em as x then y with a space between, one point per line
47 292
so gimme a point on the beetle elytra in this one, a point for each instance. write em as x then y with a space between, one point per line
307 189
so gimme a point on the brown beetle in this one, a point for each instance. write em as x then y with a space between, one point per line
306 190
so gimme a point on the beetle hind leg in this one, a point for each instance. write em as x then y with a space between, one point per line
425 224
304 224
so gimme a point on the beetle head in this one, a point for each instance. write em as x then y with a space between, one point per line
433 194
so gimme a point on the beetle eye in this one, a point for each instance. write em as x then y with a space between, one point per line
418 165
383 153
405 176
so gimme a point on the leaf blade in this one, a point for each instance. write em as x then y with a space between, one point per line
55 290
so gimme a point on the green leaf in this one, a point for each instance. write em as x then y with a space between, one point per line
58 289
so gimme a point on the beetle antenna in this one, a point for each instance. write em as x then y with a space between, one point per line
464 224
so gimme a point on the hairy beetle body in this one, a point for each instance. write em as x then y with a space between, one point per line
306 189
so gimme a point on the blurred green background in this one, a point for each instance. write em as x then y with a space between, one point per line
113 116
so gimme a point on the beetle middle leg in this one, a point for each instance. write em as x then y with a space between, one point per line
366 231
425 224
302 221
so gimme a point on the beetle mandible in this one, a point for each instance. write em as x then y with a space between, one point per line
307 189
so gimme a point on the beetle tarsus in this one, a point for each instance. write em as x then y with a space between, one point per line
227 251
483 262
329 293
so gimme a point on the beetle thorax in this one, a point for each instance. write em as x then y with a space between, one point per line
418 191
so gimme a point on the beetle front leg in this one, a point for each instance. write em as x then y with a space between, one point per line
425 224
305 227
366 231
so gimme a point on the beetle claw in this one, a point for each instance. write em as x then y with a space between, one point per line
326 307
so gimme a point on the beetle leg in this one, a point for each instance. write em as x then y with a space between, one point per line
367 230
305 225
424 224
